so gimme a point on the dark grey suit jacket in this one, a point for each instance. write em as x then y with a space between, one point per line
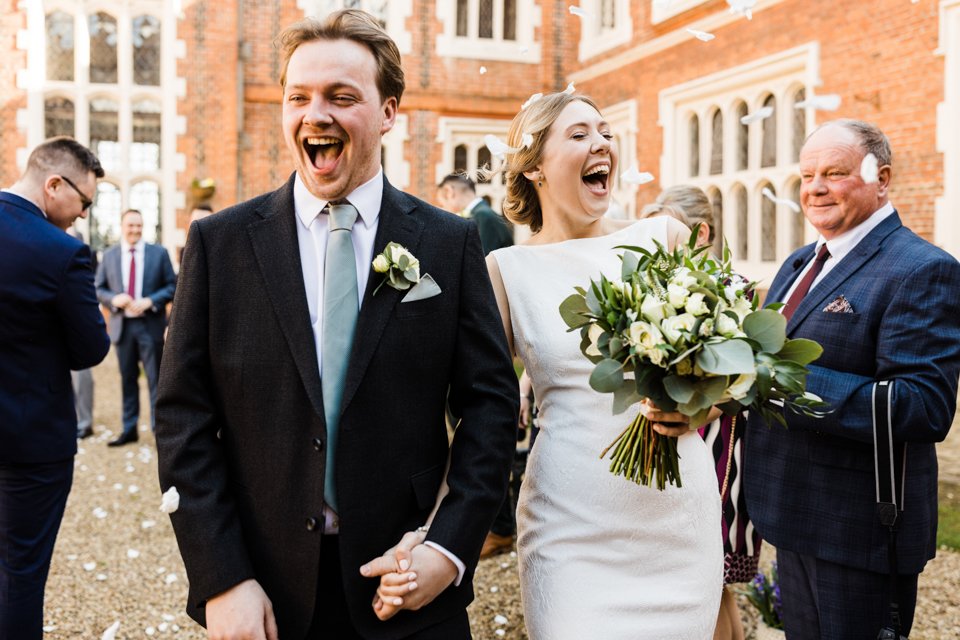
240 421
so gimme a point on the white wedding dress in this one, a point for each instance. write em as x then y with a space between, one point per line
601 558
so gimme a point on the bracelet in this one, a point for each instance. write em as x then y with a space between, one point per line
422 529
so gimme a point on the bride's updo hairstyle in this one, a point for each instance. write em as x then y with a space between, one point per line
522 205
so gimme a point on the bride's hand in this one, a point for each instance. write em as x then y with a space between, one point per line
666 423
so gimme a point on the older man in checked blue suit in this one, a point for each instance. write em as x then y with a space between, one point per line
885 305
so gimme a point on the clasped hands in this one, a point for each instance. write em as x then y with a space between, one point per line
671 423
411 575
134 308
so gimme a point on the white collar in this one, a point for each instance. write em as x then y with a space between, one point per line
844 243
473 203
366 198
125 248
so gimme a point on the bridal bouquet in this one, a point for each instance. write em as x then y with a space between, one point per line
683 330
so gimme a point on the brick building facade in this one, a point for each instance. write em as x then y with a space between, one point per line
173 92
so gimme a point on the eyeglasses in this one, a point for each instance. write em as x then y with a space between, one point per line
84 200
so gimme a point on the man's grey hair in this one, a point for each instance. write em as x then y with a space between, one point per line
871 138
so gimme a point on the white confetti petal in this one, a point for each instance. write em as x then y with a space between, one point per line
171 578
147 524
784 201
175 628
161 569
513 554
163 626
500 632
168 617
826 102
494 589
129 468
701 35
118 486
89 566
101 478
531 100
634 176
133 488
869 170
577 11
170 501
483 70
504 565
499 619
526 140
101 577
72 557
99 513
524 50
84 467
757 116
111 632
81 451
129 455
570 89
743 7
496 146
149 631
50 627
133 553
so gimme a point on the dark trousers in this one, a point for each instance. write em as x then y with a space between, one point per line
32 500
827 601
137 346
332 620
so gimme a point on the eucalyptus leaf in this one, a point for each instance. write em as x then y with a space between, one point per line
631 262
726 358
573 311
800 350
680 389
767 327
403 262
607 376
625 397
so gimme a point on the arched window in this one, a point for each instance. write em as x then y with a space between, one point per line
145 149
59 26
463 18
484 160
105 216
509 19
146 50
58 116
743 226
694 146
799 125
716 144
797 221
103 48
743 137
768 225
104 132
716 200
460 158
768 151
608 14
145 197
486 19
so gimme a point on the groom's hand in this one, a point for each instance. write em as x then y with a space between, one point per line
243 612
430 573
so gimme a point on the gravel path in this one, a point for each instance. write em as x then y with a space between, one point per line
116 558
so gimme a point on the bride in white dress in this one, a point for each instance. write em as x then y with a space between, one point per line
600 557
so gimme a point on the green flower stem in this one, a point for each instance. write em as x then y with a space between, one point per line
643 456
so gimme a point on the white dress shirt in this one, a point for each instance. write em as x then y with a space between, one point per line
841 246
313 230
125 270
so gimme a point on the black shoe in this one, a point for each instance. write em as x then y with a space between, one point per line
86 432
125 437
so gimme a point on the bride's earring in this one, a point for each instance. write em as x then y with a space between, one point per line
540 181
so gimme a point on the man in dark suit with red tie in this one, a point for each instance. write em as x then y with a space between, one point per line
135 282
885 305
49 324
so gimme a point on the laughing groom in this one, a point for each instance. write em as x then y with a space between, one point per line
885 305
301 408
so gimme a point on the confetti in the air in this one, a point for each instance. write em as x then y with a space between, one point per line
170 501
756 116
577 11
531 100
784 201
497 146
570 89
743 7
483 70
701 35
111 632
634 176
526 140
826 102
869 170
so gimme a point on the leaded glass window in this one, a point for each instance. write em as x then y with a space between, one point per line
509 19
716 144
768 151
145 197
460 158
716 200
58 116
60 47
743 138
146 50
105 216
743 226
797 221
799 125
463 17
103 48
104 132
486 19
768 225
484 160
145 148
694 138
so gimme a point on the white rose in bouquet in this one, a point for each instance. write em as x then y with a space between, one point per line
653 309
672 327
677 295
696 305
741 386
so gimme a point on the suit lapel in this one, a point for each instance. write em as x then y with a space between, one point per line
274 240
816 298
396 224
781 284
116 267
149 258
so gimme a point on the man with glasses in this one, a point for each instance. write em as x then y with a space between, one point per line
50 323
135 282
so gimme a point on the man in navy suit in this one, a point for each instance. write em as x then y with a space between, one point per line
458 194
135 282
885 305
50 323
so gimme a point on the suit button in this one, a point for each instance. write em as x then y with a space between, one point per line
311 524
318 444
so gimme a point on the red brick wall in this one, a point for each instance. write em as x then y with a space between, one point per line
11 60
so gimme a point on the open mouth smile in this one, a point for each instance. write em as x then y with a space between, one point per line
596 178
323 151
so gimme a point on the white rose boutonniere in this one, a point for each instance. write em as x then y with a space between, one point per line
401 270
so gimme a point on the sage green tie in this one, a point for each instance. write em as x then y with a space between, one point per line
340 310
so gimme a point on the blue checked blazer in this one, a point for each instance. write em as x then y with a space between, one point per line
810 489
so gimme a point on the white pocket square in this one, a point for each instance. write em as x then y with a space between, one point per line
426 288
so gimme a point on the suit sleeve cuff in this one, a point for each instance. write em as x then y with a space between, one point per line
461 568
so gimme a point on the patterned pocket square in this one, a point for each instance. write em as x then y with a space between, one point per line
840 305
426 288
